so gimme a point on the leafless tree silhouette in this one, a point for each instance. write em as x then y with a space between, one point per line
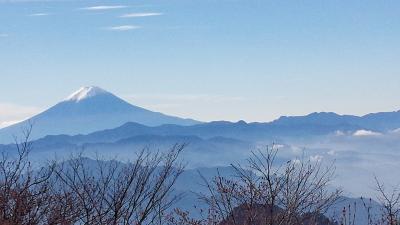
265 192
83 191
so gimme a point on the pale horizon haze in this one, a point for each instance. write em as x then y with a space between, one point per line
203 59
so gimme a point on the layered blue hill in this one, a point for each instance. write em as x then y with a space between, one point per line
105 117
88 110
381 121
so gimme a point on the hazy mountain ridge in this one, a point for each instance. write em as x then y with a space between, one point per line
238 131
301 126
102 115
87 110
381 121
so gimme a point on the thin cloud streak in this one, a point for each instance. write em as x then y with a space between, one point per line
39 14
133 15
124 28
2 35
104 7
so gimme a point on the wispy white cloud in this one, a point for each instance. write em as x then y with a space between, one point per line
331 152
146 14
39 14
123 28
104 7
278 146
363 133
316 158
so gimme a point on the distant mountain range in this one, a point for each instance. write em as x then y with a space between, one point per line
95 121
87 110
99 116
382 122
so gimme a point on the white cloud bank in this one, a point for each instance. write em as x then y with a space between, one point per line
365 133
133 15
104 7
123 28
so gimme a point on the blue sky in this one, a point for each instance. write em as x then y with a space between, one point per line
204 59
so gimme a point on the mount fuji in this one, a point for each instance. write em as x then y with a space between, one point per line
87 110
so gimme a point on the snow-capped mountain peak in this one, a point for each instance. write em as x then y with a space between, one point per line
84 93
87 110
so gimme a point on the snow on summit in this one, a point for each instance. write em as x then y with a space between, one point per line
85 92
